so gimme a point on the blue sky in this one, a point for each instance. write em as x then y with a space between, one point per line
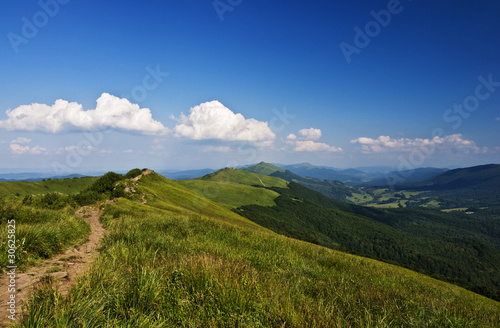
193 84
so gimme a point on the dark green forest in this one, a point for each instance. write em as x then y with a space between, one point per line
460 248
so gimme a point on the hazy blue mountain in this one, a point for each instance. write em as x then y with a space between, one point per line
405 177
33 176
187 174
350 176
476 177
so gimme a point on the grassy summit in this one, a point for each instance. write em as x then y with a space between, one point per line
264 168
175 258
235 188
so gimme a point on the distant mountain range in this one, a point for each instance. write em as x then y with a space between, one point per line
418 175
33 177
476 177
349 176
188 174
323 178
477 186
333 189
363 176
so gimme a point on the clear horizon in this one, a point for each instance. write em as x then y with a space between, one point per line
180 85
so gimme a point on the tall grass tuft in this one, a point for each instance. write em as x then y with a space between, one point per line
40 232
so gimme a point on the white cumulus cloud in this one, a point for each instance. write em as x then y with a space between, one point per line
310 134
212 120
110 112
306 141
386 143
19 146
309 145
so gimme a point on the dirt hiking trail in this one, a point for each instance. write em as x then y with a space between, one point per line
71 264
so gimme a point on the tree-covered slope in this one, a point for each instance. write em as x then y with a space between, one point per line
434 242
333 189
476 177
448 245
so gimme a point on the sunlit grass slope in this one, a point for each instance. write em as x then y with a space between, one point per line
264 168
165 194
235 188
65 186
176 261
40 232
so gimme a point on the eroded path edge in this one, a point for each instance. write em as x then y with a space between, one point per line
72 263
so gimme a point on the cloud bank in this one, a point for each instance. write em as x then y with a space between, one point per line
212 120
310 134
19 146
386 143
309 145
306 141
63 116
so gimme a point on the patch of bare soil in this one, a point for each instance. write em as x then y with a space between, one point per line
64 268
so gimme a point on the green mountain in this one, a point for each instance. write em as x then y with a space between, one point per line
235 188
333 189
465 189
483 177
263 168
431 241
468 188
172 257
406 177
351 176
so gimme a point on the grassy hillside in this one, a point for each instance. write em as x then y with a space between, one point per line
264 168
65 186
39 232
235 188
172 258
432 241
333 189
230 175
